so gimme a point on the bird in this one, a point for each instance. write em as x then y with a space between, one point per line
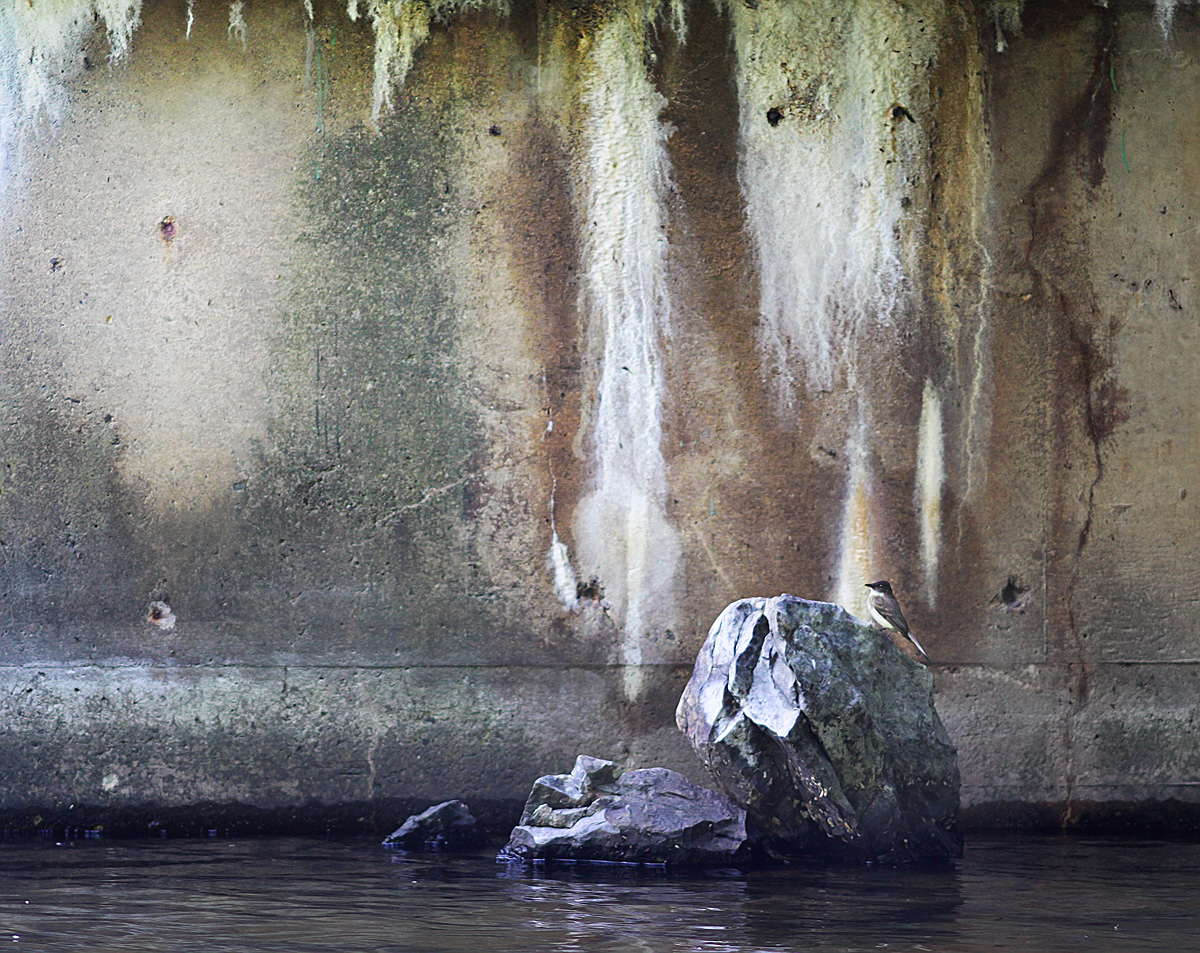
885 610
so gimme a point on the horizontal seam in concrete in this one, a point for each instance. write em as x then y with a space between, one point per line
583 666
988 667
306 666
1090 784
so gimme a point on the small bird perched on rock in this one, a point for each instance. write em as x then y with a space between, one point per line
885 610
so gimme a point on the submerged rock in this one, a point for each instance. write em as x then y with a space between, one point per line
825 732
647 816
446 826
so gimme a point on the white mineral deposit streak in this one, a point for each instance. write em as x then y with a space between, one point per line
1006 18
854 563
237 22
1164 12
829 149
621 527
401 28
40 47
559 559
931 474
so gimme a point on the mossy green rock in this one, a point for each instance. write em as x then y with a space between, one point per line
825 732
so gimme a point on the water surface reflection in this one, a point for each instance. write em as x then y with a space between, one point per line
299 895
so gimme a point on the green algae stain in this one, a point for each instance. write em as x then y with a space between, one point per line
381 315
368 482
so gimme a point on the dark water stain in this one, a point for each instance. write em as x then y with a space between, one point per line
1087 402
73 540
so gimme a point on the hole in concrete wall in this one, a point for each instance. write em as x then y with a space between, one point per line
774 115
1013 596
159 613
592 591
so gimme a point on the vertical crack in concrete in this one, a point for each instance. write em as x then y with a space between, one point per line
378 730
1058 260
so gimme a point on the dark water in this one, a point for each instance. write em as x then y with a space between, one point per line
298 895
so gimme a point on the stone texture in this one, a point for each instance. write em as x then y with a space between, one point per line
646 816
825 732
446 826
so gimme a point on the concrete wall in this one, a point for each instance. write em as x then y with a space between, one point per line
445 437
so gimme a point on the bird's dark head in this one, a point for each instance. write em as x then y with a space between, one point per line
881 586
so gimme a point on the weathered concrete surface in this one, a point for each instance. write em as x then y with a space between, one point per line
645 816
280 738
825 732
337 420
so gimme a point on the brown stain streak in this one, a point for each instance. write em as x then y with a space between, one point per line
714 362
540 225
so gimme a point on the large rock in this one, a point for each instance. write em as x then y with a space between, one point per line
825 732
647 816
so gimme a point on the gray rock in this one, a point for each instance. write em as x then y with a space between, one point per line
446 826
825 732
647 816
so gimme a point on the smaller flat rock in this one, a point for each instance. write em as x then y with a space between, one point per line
446 826
647 816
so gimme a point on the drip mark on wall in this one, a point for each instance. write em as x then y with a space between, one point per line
237 23
854 563
931 475
1164 13
40 45
558 558
1006 19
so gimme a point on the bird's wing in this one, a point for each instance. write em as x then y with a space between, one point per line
889 609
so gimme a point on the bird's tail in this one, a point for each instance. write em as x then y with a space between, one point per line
913 639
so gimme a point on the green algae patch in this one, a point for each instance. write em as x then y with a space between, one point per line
372 469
